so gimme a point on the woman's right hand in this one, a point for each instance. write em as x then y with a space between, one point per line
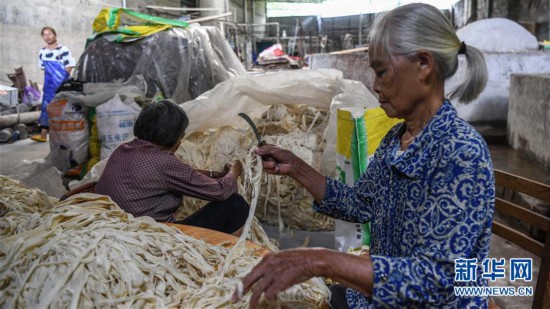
277 161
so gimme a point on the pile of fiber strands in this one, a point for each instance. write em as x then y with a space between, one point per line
86 252
282 200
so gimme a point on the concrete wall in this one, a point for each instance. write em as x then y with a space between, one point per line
236 7
535 13
335 28
529 116
490 106
492 103
22 20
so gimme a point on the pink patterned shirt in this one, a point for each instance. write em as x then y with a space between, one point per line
145 180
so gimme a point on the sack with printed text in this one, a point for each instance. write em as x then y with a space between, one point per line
115 123
68 134
359 132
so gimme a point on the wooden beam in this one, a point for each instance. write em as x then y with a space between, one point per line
542 289
523 185
541 191
524 214
518 238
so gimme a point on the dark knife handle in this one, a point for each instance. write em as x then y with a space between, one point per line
262 143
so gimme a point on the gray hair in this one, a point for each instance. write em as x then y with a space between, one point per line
410 28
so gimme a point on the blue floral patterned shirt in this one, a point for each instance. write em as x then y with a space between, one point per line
428 206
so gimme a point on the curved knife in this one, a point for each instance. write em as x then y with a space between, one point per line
261 141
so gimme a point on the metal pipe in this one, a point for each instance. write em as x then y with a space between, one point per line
171 8
13 119
245 10
276 24
269 23
246 39
253 12
208 18
360 29
253 30
466 12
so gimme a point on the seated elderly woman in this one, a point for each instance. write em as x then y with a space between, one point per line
428 192
145 178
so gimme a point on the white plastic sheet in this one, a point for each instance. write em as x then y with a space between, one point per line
254 94
92 176
94 94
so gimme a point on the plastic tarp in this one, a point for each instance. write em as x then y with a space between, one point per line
254 94
177 63
94 94
92 176
123 25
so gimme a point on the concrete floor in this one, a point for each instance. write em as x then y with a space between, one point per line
12 155
504 158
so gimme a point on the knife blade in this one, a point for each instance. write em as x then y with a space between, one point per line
251 123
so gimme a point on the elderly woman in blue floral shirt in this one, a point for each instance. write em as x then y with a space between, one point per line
428 192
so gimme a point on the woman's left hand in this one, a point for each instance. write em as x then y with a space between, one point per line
277 272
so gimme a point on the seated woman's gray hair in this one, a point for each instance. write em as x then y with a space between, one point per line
162 123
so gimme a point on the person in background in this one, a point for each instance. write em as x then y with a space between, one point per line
145 178
428 192
57 62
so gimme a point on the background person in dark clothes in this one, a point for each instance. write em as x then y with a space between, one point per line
145 178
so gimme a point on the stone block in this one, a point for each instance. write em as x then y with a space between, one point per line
528 125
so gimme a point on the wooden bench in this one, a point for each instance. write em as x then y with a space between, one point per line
506 206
